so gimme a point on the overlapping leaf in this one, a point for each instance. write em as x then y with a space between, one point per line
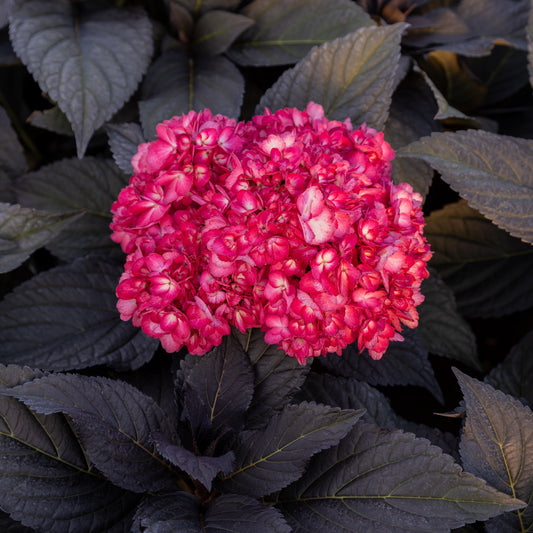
231 513
494 173
12 161
81 61
352 76
66 318
488 270
201 468
276 377
218 385
406 364
91 185
114 422
124 140
216 30
515 374
349 393
45 479
270 458
23 230
285 31
176 83
443 330
411 117
497 443
387 481
201 6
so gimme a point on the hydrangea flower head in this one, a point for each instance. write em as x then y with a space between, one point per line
289 222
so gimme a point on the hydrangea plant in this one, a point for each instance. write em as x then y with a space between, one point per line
250 249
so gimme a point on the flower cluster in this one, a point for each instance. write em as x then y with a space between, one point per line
289 223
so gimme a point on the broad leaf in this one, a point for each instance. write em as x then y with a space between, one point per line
197 7
387 481
80 60
269 459
442 329
176 83
114 422
349 393
285 31
91 185
488 270
66 318
472 28
124 140
276 377
46 481
236 513
404 363
515 374
352 76
228 513
411 117
219 384
494 173
444 110
497 442
12 161
24 230
201 468
168 513
216 30
53 120
529 30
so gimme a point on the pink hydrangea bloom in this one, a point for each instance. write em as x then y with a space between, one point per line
289 223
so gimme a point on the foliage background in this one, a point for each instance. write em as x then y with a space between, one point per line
100 431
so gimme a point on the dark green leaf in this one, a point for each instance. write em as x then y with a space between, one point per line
201 468
168 513
176 83
494 173
124 140
24 230
387 481
276 377
91 185
404 363
45 479
352 76
81 62
515 374
442 329
349 393
411 117
269 459
285 31
219 384
53 120
216 30
488 270
497 442
114 422
66 318
235 513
